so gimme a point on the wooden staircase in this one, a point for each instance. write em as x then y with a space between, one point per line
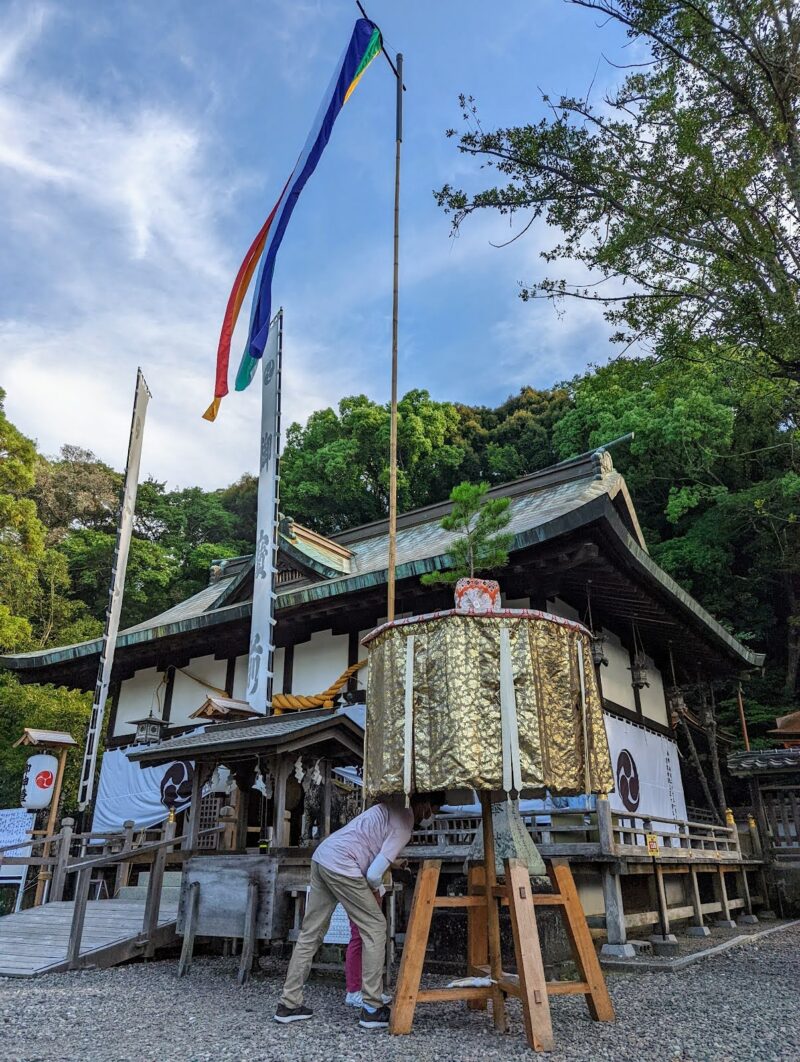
37 941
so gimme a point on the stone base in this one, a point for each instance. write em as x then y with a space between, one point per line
666 949
642 947
725 923
767 916
618 951
747 920
698 931
656 938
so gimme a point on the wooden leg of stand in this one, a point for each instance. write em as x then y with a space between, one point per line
477 929
597 998
499 1015
419 925
528 951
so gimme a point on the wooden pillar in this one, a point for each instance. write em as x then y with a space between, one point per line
279 801
662 895
477 931
192 829
605 825
697 907
62 856
499 1015
124 867
326 800
722 894
50 829
615 911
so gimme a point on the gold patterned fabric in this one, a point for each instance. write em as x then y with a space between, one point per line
457 728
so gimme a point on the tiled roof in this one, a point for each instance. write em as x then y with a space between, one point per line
764 761
271 730
543 505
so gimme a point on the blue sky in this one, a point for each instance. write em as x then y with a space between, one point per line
142 145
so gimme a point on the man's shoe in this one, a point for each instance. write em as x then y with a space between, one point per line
287 1014
376 1019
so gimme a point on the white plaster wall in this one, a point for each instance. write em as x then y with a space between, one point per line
561 608
188 695
654 705
240 675
136 699
616 678
318 662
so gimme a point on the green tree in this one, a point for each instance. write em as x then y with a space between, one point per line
74 490
49 709
713 471
482 545
680 191
335 470
152 582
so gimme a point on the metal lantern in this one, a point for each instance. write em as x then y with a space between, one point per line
599 657
638 670
676 702
150 729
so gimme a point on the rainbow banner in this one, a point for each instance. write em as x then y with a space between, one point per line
364 45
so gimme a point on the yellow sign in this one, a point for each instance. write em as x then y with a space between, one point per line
652 844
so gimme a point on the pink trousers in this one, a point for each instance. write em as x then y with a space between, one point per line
352 957
352 960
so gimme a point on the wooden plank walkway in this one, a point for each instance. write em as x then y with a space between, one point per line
35 941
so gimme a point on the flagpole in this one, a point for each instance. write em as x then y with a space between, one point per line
397 70
390 609
119 564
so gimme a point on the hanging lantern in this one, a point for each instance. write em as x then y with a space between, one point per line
38 782
638 670
676 703
599 657
150 729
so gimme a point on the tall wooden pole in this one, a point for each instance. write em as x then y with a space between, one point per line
395 308
742 720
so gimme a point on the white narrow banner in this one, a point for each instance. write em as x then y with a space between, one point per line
262 636
115 591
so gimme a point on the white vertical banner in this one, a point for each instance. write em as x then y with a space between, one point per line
262 630
647 772
115 591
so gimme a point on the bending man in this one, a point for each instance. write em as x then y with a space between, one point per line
347 868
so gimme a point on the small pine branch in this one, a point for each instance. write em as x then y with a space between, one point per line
481 545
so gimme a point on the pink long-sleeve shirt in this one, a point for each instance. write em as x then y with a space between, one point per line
378 831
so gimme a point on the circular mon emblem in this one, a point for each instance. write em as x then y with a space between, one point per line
44 779
176 785
628 780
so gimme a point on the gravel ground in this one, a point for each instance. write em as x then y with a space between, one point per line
742 1005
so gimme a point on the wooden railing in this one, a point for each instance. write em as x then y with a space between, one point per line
601 832
119 851
159 850
781 805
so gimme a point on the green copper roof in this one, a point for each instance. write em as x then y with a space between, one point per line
543 506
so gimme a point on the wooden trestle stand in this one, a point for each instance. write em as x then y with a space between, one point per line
483 944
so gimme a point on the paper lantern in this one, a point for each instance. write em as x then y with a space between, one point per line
38 781
503 700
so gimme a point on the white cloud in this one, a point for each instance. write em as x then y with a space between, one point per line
19 31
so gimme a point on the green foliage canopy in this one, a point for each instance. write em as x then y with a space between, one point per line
680 191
